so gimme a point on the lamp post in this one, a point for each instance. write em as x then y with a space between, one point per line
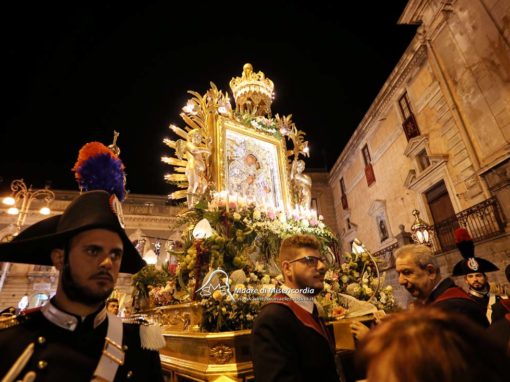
23 197
19 204
421 231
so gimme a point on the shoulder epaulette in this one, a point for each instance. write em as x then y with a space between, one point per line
9 321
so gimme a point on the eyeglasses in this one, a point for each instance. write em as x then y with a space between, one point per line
310 261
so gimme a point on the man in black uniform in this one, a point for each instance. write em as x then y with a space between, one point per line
474 270
73 337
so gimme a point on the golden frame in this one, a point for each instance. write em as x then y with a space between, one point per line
220 140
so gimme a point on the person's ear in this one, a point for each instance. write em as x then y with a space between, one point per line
57 258
286 271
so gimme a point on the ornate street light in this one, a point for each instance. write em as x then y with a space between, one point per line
421 231
19 204
21 199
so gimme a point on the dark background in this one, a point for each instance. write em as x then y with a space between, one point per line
74 72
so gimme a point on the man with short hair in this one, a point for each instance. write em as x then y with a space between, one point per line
112 306
73 337
420 274
289 340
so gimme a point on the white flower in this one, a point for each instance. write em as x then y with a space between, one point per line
353 289
327 287
321 225
237 216
253 277
266 279
345 278
305 223
256 215
249 317
388 288
367 290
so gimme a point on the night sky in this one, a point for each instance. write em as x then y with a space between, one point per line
73 72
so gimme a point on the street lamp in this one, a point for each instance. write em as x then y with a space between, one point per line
421 231
23 197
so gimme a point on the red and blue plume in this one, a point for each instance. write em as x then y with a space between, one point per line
98 168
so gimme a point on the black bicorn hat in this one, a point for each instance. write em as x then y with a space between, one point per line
469 263
91 210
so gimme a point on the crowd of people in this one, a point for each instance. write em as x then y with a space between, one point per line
449 335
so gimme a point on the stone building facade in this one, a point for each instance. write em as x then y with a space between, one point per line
436 138
148 219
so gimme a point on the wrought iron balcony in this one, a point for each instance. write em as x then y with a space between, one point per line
483 221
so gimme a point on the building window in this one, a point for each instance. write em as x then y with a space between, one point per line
343 193
369 170
423 159
409 125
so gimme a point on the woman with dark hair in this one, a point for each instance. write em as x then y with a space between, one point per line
430 345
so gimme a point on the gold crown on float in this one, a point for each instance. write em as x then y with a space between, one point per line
253 92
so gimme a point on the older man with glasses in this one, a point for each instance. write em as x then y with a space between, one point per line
290 341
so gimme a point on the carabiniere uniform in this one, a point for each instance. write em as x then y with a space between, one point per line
48 344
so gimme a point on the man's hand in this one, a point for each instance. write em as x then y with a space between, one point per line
359 330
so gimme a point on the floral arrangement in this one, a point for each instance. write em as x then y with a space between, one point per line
268 125
356 277
237 310
163 295
153 283
242 233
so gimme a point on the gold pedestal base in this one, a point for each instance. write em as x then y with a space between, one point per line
207 356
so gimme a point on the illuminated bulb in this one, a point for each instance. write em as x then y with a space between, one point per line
13 211
9 201
45 211
189 108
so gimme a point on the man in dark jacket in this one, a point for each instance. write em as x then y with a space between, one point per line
420 274
289 341
73 337
475 269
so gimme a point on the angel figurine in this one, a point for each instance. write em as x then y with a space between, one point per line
302 184
197 155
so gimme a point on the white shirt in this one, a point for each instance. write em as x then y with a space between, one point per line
304 301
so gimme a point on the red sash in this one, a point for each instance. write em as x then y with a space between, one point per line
454 292
506 303
305 317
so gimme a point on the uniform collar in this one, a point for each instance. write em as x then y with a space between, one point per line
479 294
305 302
69 321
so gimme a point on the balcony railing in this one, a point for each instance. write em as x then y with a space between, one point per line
483 221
